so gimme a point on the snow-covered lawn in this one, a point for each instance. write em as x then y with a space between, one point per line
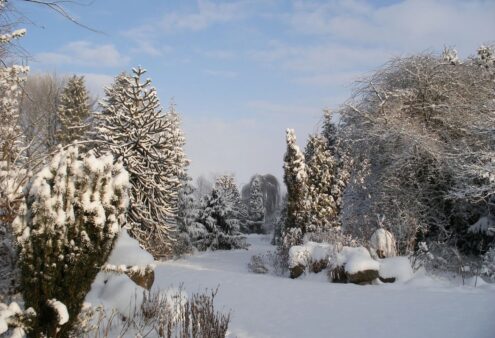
271 306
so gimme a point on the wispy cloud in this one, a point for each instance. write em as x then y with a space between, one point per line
96 83
84 53
146 41
206 14
406 25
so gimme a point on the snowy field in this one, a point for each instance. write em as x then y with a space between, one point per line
271 306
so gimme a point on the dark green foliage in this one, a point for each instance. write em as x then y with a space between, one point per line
72 215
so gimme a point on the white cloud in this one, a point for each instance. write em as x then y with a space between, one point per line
97 82
206 14
146 41
84 53
406 26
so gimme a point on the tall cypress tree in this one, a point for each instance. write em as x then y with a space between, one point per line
256 207
321 170
296 180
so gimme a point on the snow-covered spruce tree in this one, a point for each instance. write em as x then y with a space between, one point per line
320 168
178 159
296 181
343 164
187 213
256 207
73 111
219 215
270 189
231 199
426 125
73 211
132 127
329 131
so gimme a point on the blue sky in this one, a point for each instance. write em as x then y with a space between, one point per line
242 71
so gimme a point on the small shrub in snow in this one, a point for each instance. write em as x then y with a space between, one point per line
488 265
382 244
257 264
72 214
309 257
160 314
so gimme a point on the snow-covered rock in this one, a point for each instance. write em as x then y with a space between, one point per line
395 269
354 265
311 255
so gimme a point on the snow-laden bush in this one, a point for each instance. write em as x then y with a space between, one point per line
382 244
309 257
14 319
12 173
424 124
308 253
488 264
356 259
73 211
168 314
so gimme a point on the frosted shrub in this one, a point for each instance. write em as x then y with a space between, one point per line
382 244
168 314
72 213
488 265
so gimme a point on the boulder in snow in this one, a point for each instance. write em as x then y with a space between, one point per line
354 265
310 256
297 271
395 269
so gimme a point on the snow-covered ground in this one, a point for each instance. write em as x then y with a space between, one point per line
271 306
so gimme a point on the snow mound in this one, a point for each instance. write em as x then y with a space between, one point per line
61 310
309 252
396 267
356 259
128 252
116 290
